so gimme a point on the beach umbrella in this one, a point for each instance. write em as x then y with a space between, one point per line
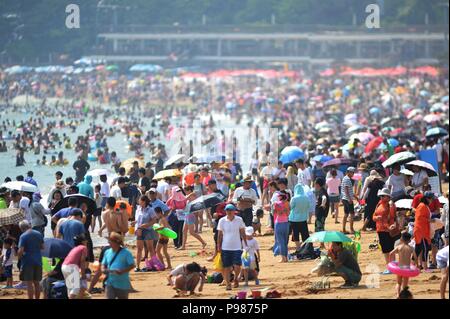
11 216
396 132
325 130
423 165
374 110
320 125
20 186
432 118
406 172
405 203
328 237
355 129
204 202
174 159
438 107
128 164
373 144
363 137
386 120
112 67
291 153
99 172
413 113
436 132
168 173
63 203
322 158
55 248
337 162
399 159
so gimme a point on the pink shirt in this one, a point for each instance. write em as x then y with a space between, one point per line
74 257
333 185
281 212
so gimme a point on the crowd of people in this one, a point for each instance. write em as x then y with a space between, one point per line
344 128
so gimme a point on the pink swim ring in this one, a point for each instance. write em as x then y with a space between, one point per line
412 271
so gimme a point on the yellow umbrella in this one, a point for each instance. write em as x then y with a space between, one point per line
168 173
128 164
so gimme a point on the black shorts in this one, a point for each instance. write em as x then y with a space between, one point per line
349 208
386 242
254 171
97 212
423 247
297 229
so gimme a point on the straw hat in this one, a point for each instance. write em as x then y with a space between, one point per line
375 174
384 192
363 167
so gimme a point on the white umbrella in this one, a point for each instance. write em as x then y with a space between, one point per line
399 159
174 159
406 172
424 165
99 172
404 203
21 186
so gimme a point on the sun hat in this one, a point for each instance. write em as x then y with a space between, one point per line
230 207
375 174
249 231
363 167
384 192
247 179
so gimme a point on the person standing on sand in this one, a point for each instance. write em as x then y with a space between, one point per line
246 197
347 196
405 254
31 242
385 219
117 263
229 244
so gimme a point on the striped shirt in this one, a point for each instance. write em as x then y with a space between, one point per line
347 182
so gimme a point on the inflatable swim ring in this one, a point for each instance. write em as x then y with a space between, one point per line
92 157
167 232
129 208
412 271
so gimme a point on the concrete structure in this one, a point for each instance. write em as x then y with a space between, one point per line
228 47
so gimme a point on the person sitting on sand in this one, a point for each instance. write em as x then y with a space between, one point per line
345 264
185 278
405 254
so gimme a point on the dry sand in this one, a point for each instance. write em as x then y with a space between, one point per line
292 279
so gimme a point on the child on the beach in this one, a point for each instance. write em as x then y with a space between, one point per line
6 262
250 257
185 278
405 254
163 240
256 223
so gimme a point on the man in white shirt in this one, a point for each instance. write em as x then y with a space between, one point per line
246 197
231 235
279 172
304 175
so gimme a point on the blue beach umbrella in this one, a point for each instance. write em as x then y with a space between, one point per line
291 153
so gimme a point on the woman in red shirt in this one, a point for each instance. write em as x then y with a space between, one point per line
422 235
385 219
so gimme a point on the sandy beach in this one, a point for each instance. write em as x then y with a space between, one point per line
294 279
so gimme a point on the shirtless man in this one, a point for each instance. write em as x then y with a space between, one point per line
405 254
114 221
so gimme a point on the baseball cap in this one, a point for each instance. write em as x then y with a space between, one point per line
351 169
152 190
249 231
230 207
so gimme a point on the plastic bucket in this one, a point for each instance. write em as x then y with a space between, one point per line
242 295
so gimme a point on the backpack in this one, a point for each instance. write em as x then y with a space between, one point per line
58 290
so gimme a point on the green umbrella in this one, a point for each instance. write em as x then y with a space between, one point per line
112 67
328 237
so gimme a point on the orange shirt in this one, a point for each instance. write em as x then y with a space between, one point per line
387 214
422 224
